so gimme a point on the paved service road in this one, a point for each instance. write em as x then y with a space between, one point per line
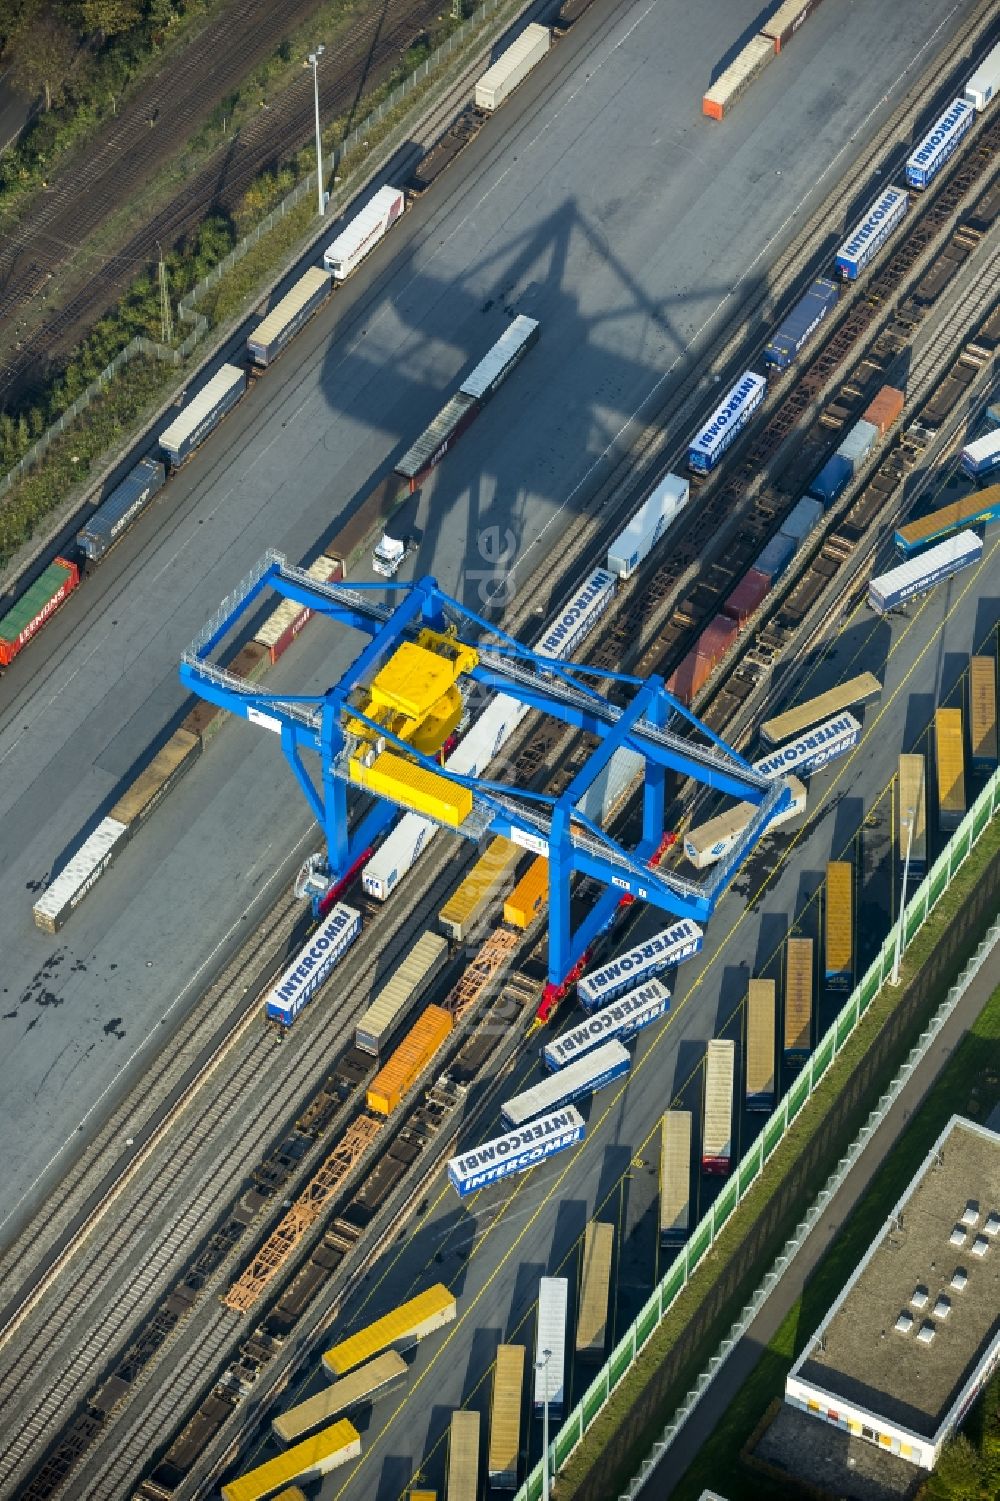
601 202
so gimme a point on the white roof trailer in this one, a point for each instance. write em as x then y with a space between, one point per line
985 81
363 232
550 1336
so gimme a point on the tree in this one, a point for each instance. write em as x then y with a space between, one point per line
110 18
44 49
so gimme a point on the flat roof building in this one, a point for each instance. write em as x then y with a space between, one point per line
915 1334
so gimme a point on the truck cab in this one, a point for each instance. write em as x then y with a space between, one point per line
389 553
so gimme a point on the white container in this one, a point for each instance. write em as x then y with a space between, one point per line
515 1152
74 881
813 749
363 232
717 1132
648 525
985 81
313 963
921 573
729 418
577 618
287 317
512 66
602 1065
982 456
870 234
550 1334
508 351
619 1021
939 143
612 785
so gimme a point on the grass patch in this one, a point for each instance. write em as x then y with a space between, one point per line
810 1137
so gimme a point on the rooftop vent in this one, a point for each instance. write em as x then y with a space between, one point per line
959 1278
920 1296
980 1245
904 1323
971 1215
957 1237
942 1307
992 1226
926 1333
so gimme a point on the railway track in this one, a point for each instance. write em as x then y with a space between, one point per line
536 750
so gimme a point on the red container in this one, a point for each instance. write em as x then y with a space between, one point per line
716 639
689 677
27 616
747 597
885 409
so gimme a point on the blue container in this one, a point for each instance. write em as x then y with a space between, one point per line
859 443
776 555
801 520
831 479
801 323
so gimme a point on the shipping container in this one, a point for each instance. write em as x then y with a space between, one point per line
36 604
621 1020
468 903
495 366
729 418
160 777
939 143
978 509
409 1060
985 81
716 639
839 924
798 999
911 815
574 620
313 964
250 662
290 618
399 1330
401 992
512 67
288 316
669 946
463 1457
922 572
885 409
858 444
83 871
717 1128
202 414
813 749
749 594
119 509
786 21
776 556
982 457
205 720
689 677
761 1038
648 525
983 713
857 690
738 77
595 1291
308 1460
708 842
411 785
363 232
949 749
529 896
363 1386
801 323
355 537
505 1418
871 233
801 519
515 1151
550 1336
601 1066
675 1176
434 442
832 479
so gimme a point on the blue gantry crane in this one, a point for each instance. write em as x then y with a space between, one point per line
380 727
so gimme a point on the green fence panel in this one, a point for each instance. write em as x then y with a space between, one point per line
750 1166
980 817
823 1058
798 1094
621 1359
847 1021
674 1281
568 1437
594 1398
772 1133
699 1243
725 1204
647 1321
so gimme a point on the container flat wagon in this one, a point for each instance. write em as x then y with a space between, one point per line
505 1418
116 513
761 1037
795 331
289 315
550 1335
595 1291
839 924
949 748
707 843
977 509
409 1060
512 67
529 896
308 1460
717 1127
26 617
463 1457
516 1152
798 1000
940 143
675 1176
920 573
911 814
362 1387
984 84
983 713
400 993
358 238
601 1066
411 1322
858 690
467 905
648 525
621 1019
202 414
871 233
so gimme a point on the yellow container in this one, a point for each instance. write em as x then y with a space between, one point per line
529 895
467 903
983 712
798 998
402 1327
363 1385
505 1417
463 1457
595 1288
408 784
313 1457
950 748
839 921
404 1066
158 778
760 1045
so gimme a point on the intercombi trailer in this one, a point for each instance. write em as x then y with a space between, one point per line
761 1037
717 1129
798 1000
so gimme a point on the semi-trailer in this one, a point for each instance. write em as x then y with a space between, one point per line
871 233
798 1000
839 924
363 232
550 1346
981 458
977 509
717 1126
854 691
516 1151
118 510
949 754
512 67
801 323
648 525
813 749
726 422
675 1176
505 1418
463 1456
621 1020
911 815
921 573
984 84
202 414
401 992
761 1037
313 1457
285 319
668 947
940 142
601 1066
983 713
362 1387
595 1291
32 610
313 964
398 1330
707 843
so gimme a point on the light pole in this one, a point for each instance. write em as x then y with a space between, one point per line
906 822
313 62
543 1365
